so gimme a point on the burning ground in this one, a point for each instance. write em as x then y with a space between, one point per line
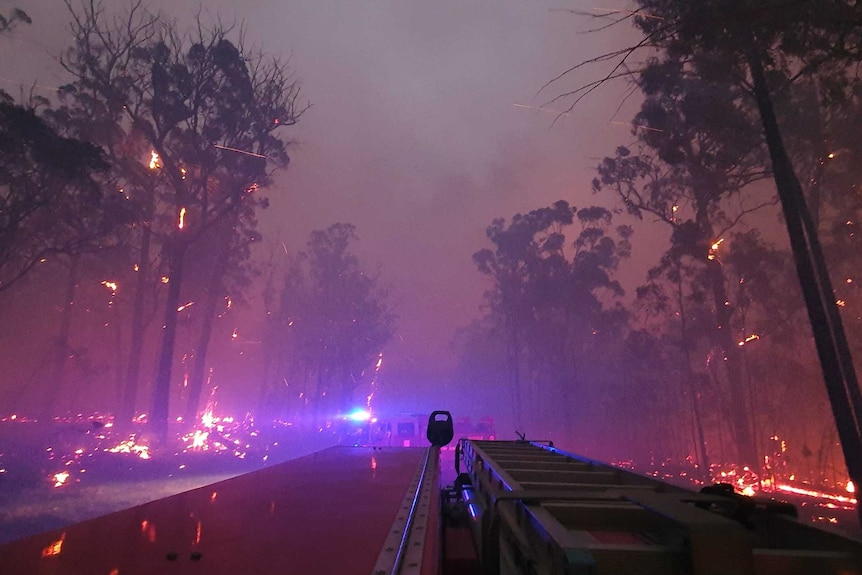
67 470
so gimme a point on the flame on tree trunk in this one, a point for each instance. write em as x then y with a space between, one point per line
213 294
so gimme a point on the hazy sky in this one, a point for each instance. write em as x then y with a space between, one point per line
415 133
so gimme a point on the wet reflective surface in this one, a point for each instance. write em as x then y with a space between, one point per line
328 512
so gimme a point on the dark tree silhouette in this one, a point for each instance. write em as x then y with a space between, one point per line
333 322
550 298
208 110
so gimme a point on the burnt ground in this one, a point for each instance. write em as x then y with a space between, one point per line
101 482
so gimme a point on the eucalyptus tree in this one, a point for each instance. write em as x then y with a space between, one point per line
205 111
50 192
552 298
762 50
333 321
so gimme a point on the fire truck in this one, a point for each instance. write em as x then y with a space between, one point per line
515 507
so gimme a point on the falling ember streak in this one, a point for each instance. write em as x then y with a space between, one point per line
647 128
234 334
541 109
55 547
110 285
182 220
752 337
815 493
155 160
238 151
185 305
840 303
254 187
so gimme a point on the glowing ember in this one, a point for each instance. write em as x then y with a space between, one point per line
55 547
61 478
129 446
182 219
752 337
155 160
185 305
113 286
713 249
851 488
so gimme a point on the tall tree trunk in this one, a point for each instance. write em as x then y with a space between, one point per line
162 391
740 424
692 390
136 346
836 362
61 341
213 295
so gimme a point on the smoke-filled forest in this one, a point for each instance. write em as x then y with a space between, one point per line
677 295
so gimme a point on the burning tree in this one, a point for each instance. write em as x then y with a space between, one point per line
206 111
761 50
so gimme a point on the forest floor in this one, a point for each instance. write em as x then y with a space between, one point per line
62 473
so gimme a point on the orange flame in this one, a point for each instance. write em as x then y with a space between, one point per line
55 547
182 220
